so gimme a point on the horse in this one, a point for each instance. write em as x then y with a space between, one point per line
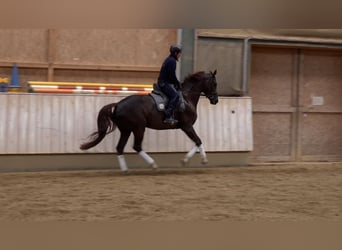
135 113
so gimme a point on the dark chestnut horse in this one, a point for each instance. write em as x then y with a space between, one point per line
135 113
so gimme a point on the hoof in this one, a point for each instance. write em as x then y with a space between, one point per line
185 162
204 161
155 169
154 166
124 172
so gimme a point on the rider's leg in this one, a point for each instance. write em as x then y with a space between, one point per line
173 100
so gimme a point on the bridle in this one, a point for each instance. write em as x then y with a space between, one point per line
213 95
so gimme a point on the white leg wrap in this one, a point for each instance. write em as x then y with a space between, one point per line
191 152
146 157
202 152
203 155
122 163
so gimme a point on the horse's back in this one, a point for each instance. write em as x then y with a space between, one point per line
134 104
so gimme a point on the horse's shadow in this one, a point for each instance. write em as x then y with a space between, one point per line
162 172
136 172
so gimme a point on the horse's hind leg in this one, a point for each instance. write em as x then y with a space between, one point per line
120 148
138 138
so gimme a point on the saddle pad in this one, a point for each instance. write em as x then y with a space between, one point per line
159 100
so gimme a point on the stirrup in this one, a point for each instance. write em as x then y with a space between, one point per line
170 120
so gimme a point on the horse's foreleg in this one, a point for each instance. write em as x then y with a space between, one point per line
191 153
199 147
203 154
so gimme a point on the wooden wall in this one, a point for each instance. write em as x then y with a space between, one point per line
86 55
58 124
23 46
286 80
321 121
297 105
294 78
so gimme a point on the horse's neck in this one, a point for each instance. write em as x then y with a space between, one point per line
191 96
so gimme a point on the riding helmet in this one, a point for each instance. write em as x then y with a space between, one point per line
176 48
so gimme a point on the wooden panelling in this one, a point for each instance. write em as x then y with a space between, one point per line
44 124
101 76
272 134
113 46
125 55
272 76
321 76
322 134
321 105
272 87
297 106
23 45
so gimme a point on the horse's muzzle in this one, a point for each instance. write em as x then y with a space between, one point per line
213 99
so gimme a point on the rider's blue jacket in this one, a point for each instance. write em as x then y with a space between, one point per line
168 72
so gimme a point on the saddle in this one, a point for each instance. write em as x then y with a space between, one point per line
161 99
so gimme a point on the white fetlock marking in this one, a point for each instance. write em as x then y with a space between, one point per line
154 166
202 153
122 163
191 152
146 157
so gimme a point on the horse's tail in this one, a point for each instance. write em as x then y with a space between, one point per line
105 125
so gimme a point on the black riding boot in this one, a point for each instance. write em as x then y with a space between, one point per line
173 100
169 119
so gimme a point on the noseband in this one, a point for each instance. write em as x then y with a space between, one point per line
212 96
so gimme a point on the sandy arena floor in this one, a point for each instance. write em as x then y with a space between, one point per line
265 192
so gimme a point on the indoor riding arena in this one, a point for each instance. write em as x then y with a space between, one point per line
273 141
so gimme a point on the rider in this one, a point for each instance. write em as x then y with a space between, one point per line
168 82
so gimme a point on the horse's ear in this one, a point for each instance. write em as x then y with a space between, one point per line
214 73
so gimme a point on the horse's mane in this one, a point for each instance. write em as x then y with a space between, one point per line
195 77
